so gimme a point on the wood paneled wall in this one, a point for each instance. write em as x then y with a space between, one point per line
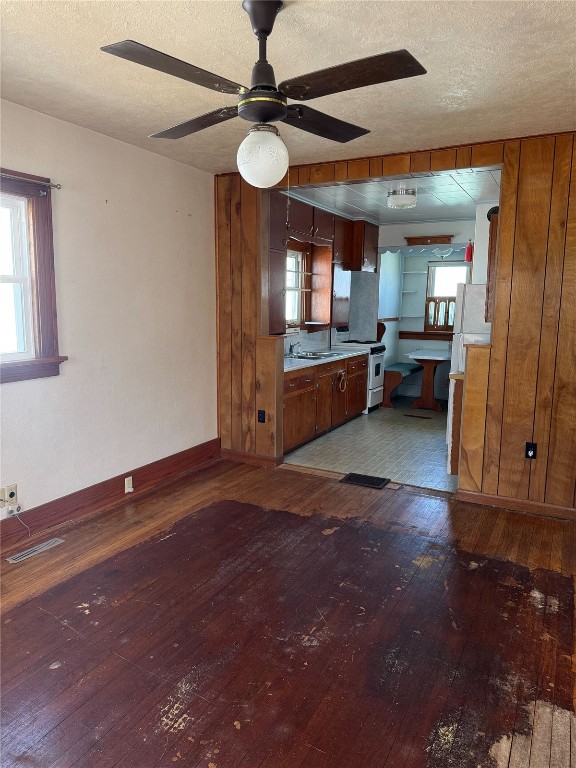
250 365
529 374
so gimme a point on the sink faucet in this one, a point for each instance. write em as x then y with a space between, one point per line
292 347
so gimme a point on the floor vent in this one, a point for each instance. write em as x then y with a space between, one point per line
34 550
367 480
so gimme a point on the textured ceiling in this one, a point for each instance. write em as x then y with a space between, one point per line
495 70
439 197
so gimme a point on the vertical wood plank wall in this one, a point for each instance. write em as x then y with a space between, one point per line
250 372
530 377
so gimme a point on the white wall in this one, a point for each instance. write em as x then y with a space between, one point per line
394 234
136 295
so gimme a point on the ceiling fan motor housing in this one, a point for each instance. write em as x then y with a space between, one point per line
261 105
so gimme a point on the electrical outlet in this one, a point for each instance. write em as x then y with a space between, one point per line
13 509
11 495
2 497
128 487
530 452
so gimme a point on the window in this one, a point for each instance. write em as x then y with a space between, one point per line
297 285
28 336
441 294
16 336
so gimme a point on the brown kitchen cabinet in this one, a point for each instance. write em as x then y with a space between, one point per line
299 407
330 397
324 387
364 253
356 394
357 385
278 229
321 397
339 411
323 225
342 250
299 418
300 220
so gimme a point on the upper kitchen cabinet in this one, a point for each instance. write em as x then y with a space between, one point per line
342 251
300 220
323 225
278 228
364 255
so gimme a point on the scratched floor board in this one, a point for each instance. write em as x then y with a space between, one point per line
274 619
295 601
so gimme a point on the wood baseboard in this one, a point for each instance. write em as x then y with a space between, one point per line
107 494
518 505
251 458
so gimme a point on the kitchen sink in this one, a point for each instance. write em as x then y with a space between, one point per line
313 355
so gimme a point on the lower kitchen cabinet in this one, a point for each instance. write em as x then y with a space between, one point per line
322 397
324 389
299 418
339 410
356 393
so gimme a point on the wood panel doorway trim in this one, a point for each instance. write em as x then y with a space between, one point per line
523 266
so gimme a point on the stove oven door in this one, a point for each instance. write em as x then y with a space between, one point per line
375 371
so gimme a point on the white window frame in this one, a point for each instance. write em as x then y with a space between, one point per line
297 289
18 206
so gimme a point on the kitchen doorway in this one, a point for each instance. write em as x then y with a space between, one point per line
418 248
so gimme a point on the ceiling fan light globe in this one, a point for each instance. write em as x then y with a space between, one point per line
262 157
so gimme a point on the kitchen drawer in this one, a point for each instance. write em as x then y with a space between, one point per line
299 381
357 364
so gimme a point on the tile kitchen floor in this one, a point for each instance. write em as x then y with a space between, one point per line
386 443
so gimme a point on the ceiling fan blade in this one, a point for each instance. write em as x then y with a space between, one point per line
321 124
197 124
149 57
382 68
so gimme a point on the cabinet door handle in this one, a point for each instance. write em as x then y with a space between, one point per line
334 294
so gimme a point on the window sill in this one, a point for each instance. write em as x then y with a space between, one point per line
38 368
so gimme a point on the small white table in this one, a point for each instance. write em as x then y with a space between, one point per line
429 359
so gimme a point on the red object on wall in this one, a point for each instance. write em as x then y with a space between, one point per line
469 253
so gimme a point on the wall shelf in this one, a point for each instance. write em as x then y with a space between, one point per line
418 272
403 316
409 291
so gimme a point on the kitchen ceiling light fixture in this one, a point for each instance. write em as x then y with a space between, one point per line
262 157
402 198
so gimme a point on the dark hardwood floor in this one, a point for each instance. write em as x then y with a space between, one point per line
269 618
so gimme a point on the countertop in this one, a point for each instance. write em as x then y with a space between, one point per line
292 364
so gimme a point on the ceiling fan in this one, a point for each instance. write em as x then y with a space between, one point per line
265 103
